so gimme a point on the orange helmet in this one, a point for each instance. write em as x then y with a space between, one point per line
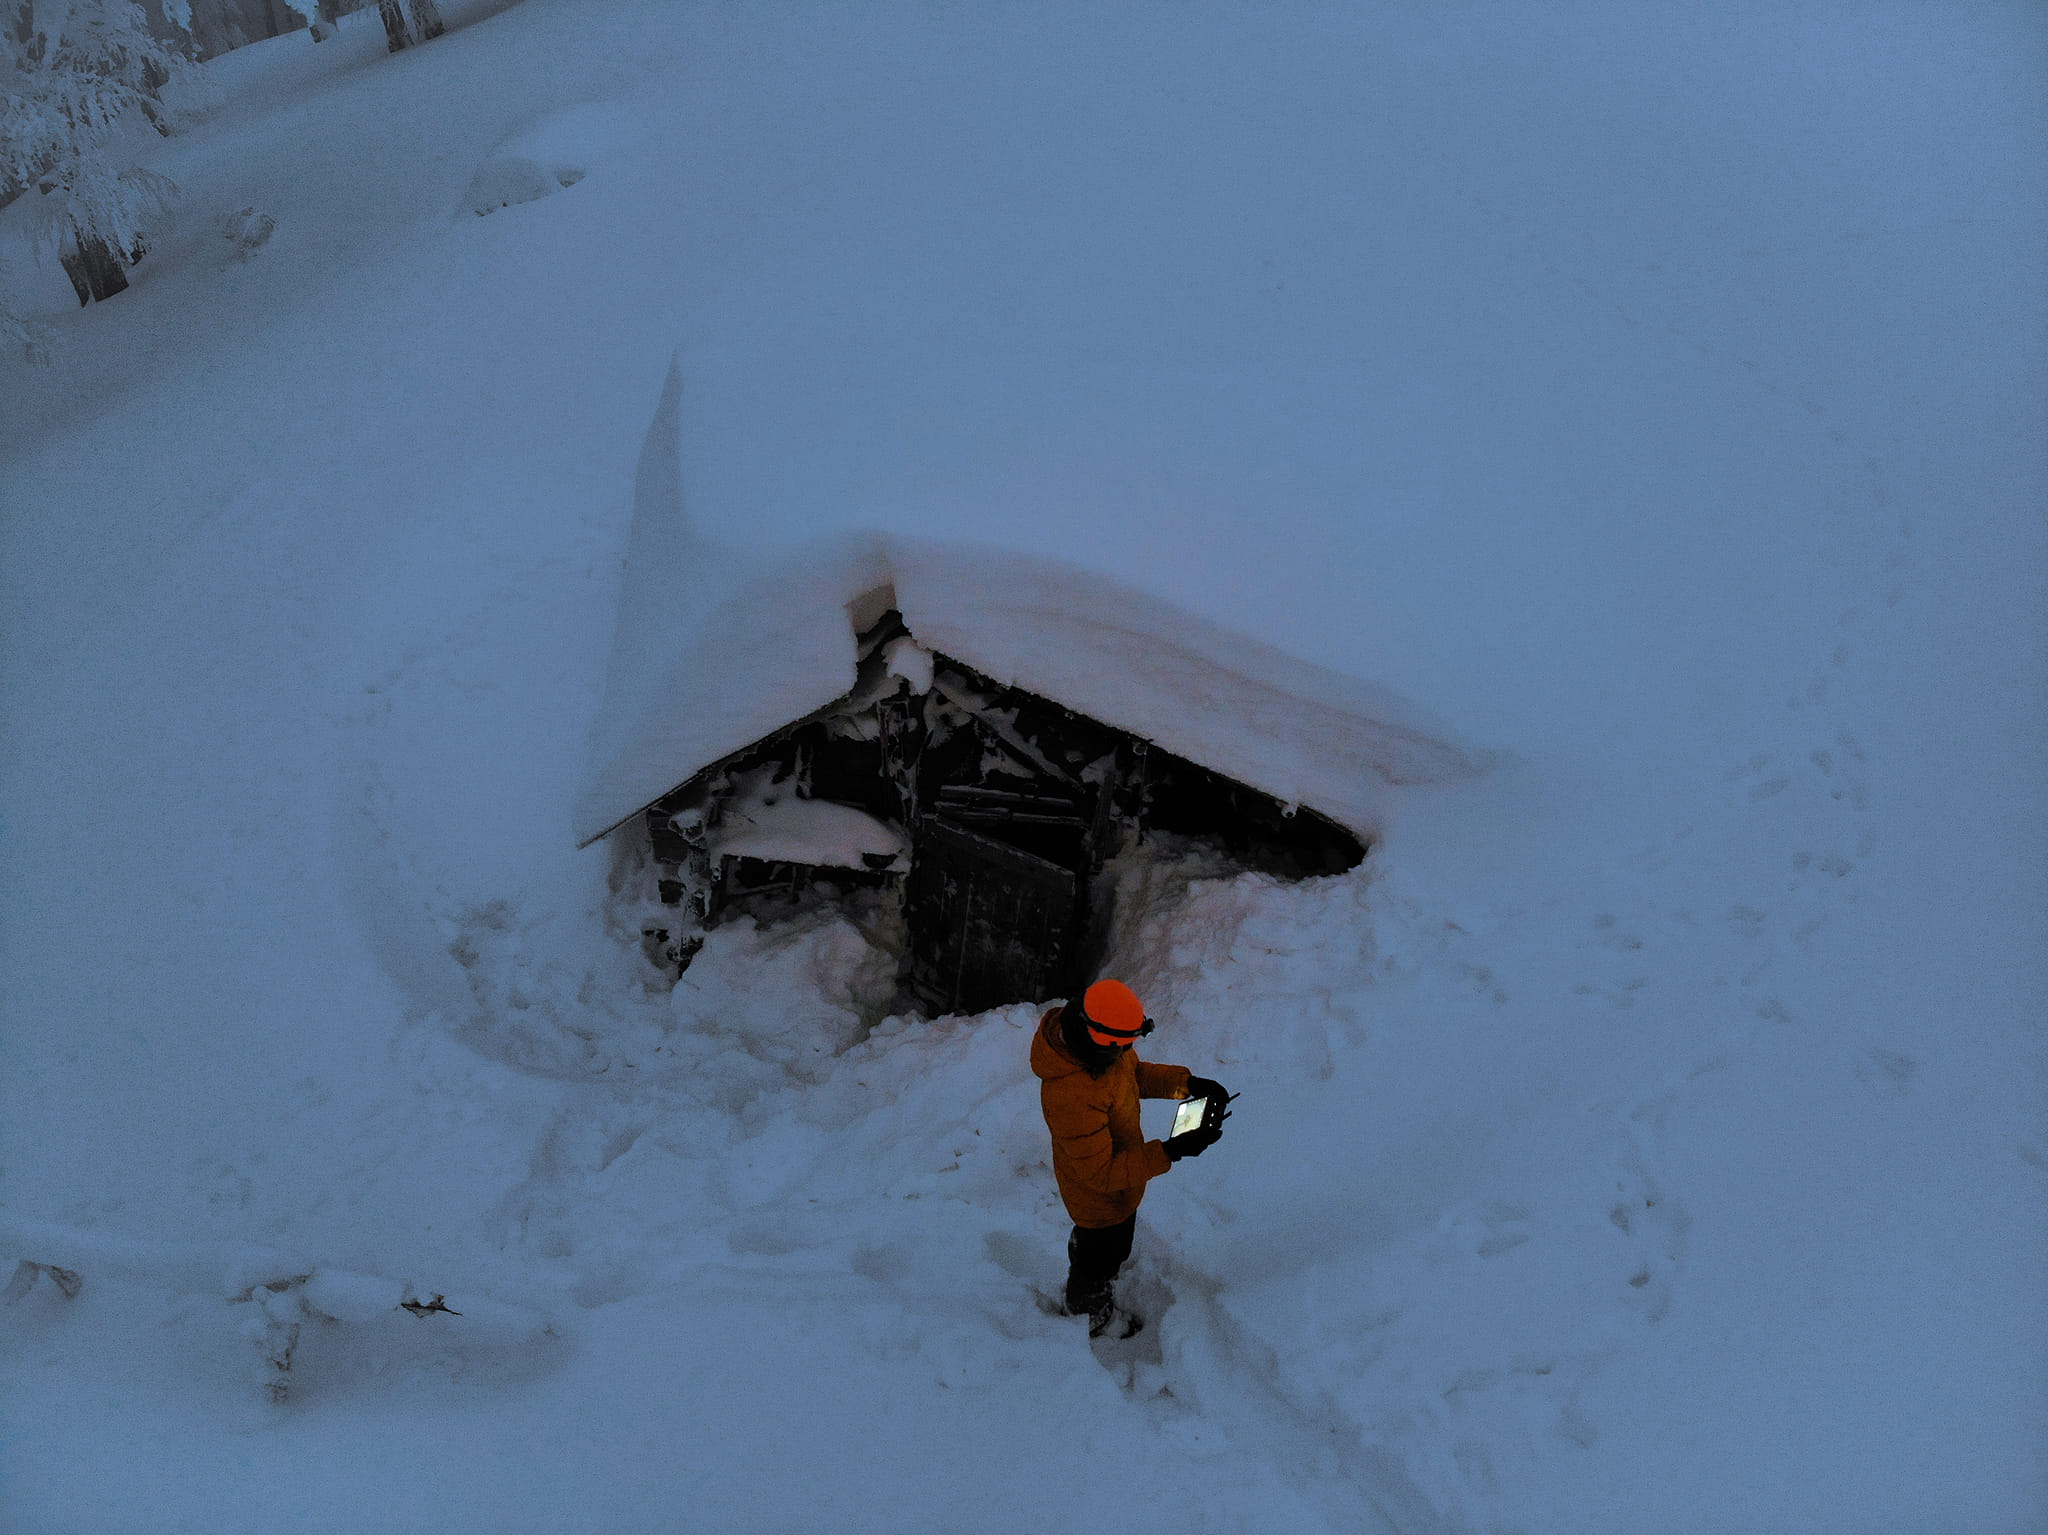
1114 1014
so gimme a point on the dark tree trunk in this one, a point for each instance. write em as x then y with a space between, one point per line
95 270
426 23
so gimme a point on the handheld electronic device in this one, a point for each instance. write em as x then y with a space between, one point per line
1189 1115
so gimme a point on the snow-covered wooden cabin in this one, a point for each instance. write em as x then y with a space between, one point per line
973 732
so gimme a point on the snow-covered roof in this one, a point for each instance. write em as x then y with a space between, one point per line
713 652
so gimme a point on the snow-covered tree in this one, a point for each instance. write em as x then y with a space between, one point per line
71 72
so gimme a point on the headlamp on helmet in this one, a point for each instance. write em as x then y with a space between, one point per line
1114 1016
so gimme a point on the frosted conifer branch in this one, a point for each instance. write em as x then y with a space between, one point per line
71 76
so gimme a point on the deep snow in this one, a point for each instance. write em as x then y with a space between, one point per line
1649 1133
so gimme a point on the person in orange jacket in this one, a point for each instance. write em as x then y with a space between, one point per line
1090 1081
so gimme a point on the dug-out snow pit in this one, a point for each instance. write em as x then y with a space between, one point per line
556 152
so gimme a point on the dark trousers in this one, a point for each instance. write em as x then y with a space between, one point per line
1094 1254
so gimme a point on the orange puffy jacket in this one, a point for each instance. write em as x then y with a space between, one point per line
1099 1154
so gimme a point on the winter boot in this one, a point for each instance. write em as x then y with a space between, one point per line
1109 1320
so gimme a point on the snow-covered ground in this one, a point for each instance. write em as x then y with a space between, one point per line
1649 1135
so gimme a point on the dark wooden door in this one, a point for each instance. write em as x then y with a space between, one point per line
989 923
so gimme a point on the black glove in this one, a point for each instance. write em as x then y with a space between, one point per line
1204 1087
1192 1143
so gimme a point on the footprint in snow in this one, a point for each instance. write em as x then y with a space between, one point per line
1746 921
1480 977
1475 1466
1138 1363
1611 936
1652 1223
1488 1230
1888 1073
1616 997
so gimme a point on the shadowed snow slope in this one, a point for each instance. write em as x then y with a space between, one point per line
1646 1136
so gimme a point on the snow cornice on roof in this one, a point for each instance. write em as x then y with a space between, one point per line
712 653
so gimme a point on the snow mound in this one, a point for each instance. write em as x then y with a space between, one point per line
350 1297
762 1006
556 152
782 828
